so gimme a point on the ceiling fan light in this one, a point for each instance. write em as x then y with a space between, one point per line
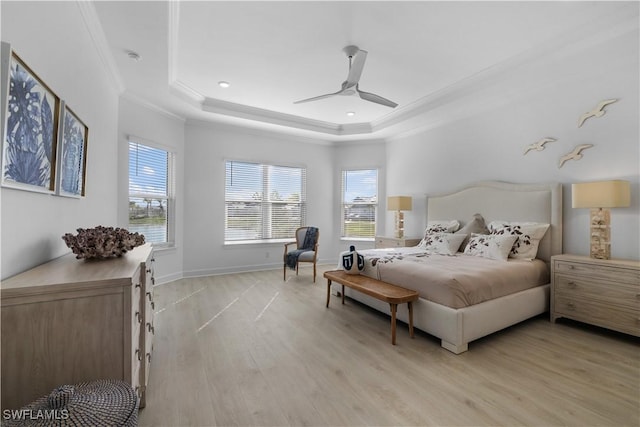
351 113
224 84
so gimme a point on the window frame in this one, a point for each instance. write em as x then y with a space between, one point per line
343 204
171 186
265 202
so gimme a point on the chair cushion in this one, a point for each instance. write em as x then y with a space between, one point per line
306 256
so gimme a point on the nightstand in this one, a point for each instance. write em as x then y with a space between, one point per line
604 293
396 242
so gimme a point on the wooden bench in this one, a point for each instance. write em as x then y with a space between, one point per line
377 289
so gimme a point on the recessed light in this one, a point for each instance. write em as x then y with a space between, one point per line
351 113
224 84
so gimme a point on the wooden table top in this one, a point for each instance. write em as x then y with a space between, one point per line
383 291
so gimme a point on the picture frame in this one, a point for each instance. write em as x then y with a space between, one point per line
30 119
72 165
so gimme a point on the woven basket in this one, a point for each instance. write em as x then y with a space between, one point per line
96 404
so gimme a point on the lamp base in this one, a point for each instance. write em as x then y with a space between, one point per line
399 225
600 232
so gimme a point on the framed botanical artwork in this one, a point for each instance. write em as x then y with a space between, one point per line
72 153
30 127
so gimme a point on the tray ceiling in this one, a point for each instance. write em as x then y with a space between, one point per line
274 53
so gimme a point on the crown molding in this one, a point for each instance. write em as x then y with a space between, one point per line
151 106
257 132
94 28
273 117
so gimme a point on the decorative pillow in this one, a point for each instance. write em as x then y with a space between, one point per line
476 225
439 227
494 246
443 243
528 236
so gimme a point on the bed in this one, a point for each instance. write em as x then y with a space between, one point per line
458 326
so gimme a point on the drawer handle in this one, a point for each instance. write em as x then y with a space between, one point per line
153 260
571 267
138 285
153 280
148 270
149 296
571 306
572 285
138 355
138 317
149 357
153 305
150 328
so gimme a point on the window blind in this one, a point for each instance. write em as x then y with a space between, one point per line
263 201
359 203
149 192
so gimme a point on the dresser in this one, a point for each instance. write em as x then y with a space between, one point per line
395 242
70 321
605 293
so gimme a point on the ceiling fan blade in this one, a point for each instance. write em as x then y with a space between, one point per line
376 98
316 98
355 70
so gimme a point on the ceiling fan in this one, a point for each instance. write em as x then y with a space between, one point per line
357 57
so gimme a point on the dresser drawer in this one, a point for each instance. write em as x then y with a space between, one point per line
393 242
619 319
597 290
617 274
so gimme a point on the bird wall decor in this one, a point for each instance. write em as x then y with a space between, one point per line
538 146
599 111
575 154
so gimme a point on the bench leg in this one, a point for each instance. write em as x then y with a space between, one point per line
343 294
394 308
328 291
410 318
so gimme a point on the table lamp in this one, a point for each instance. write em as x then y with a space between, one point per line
399 204
600 196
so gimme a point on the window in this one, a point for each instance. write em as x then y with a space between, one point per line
359 203
262 201
150 194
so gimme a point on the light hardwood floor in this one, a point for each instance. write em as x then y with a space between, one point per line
249 349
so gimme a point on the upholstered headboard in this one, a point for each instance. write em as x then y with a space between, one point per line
505 201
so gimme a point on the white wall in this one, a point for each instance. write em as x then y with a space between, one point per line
207 146
165 131
61 52
541 98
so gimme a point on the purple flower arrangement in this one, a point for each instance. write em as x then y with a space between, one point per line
102 242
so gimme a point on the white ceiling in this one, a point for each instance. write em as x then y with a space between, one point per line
274 53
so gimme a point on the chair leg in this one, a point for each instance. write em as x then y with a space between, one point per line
284 272
314 272
297 265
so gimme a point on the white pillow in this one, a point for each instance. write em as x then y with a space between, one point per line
443 243
528 236
494 246
440 227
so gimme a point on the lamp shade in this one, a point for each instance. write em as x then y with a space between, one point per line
399 203
601 194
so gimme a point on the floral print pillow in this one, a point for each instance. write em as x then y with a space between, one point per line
440 227
442 243
494 246
528 236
